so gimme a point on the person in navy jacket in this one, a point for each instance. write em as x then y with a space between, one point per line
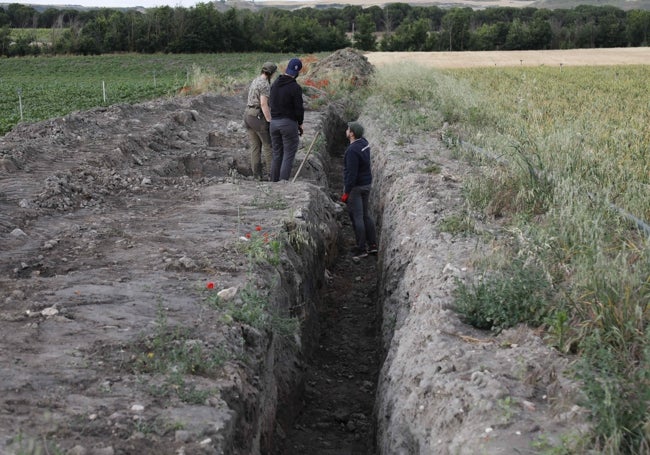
357 180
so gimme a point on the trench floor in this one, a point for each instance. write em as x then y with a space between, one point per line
337 413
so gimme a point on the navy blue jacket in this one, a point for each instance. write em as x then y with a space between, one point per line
285 99
356 170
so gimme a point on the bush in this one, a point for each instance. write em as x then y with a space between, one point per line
617 388
508 297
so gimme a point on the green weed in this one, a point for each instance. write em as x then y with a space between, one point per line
457 224
252 308
266 199
507 409
504 298
176 385
432 168
25 445
261 247
570 443
173 350
617 385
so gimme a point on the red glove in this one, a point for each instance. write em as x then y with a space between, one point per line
344 198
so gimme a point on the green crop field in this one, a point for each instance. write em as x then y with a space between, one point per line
46 87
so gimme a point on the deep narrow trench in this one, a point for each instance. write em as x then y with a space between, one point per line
336 409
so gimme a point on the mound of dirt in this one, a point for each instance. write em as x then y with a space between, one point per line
347 65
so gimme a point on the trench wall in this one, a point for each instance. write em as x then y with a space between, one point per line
313 234
315 231
445 387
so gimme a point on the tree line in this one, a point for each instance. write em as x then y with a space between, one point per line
394 27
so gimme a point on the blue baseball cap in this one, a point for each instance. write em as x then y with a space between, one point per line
294 67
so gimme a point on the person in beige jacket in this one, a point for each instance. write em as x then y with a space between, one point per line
256 118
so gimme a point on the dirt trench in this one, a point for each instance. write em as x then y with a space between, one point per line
335 412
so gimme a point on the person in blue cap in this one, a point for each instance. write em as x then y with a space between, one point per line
287 115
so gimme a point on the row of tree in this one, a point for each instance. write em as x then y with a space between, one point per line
395 27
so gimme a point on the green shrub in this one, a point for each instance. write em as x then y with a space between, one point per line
617 387
173 350
457 224
517 294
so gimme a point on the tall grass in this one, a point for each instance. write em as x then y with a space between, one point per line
570 144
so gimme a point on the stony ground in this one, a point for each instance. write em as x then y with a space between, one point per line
113 223
119 226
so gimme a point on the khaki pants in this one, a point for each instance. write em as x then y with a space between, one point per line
259 145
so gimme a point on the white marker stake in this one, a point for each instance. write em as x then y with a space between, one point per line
20 102
104 90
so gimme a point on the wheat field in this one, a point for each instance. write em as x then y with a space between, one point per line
559 58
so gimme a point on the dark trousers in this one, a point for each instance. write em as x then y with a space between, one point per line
284 140
362 222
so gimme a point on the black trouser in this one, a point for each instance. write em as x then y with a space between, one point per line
362 222
285 140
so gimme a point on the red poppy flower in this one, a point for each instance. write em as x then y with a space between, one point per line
248 235
258 228
210 285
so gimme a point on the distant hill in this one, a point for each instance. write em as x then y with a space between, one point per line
568 4
41 8
475 4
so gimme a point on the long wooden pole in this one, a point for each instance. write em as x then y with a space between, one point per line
305 158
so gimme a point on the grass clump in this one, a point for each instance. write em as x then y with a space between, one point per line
252 308
515 294
457 224
174 351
